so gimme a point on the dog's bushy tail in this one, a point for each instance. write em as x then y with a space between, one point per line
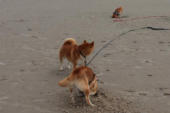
70 41
65 82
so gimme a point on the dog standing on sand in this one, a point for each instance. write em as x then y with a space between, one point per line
74 52
84 79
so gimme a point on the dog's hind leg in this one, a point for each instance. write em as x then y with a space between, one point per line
87 96
84 86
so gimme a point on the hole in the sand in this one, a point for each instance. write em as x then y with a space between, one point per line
29 29
130 90
135 42
143 94
167 94
161 89
107 69
103 41
149 75
105 103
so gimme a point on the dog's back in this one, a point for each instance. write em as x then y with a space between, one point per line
84 72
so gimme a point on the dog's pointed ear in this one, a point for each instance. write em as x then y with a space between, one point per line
85 41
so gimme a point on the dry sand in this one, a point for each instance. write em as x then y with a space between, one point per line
134 71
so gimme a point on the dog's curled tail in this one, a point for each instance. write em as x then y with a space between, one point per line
70 39
65 82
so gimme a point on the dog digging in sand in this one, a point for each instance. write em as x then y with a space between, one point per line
84 79
73 52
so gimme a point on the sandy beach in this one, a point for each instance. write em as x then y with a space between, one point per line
133 71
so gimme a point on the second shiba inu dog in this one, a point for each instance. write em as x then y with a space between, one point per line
84 79
74 52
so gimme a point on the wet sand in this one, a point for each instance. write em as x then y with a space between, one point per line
133 71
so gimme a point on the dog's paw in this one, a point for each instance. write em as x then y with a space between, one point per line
93 105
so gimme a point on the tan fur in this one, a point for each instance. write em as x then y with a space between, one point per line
72 52
80 77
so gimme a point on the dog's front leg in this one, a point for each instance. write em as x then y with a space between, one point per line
69 65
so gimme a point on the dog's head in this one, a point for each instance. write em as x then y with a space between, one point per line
86 48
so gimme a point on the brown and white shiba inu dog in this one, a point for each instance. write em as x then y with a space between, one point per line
84 79
74 52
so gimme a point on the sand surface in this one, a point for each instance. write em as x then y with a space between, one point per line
133 71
